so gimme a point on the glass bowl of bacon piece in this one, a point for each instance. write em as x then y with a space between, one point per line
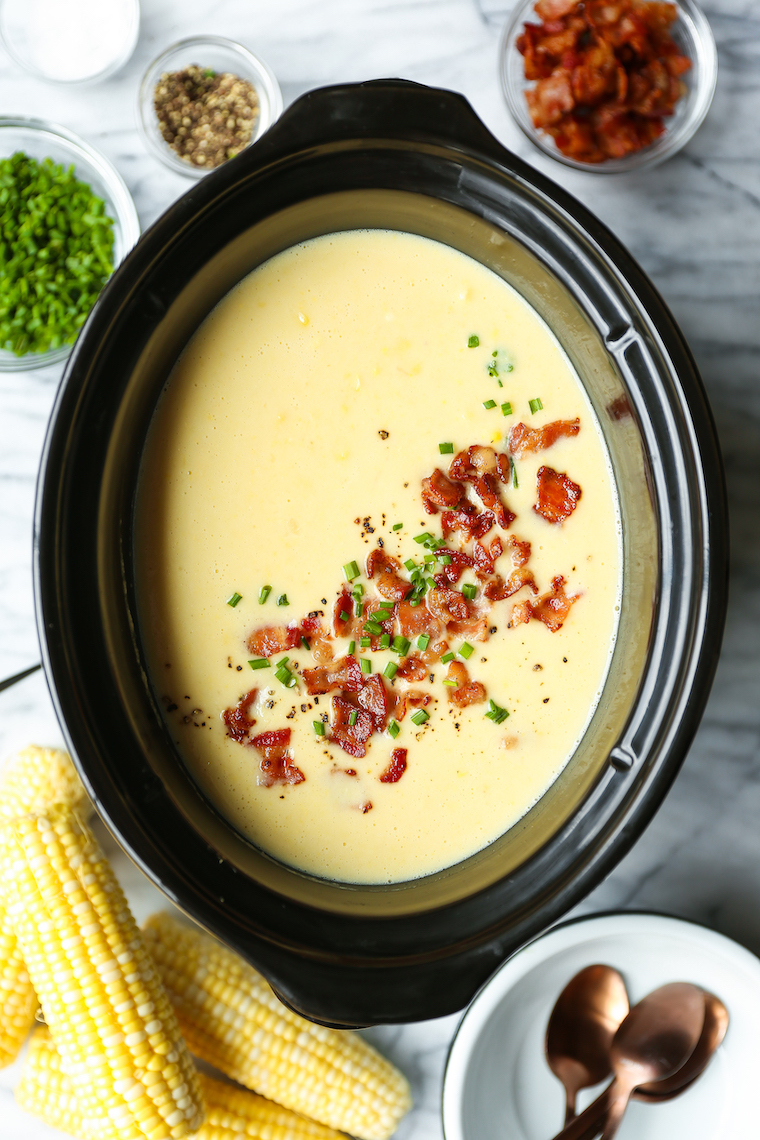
608 85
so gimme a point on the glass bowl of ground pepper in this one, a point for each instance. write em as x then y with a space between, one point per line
204 100
608 86
66 221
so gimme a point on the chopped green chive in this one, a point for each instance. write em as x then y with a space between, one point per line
344 616
423 641
500 383
365 642
420 716
466 650
513 469
390 670
444 559
283 600
535 405
447 657
424 537
509 367
431 583
373 627
397 526
493 370
359 609
285 677
446 448
410 564
497 714
357 591
506 409
351 648
401 645
473 342
414 602
451 683
264 593
351 570
305 643
394 728
429 558
469 590
282 661
353 717
233 601
319 728
385 641
366 664
260 663
488 404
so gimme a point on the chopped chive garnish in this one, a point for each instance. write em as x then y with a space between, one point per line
282 661
423 641
469 590
394 728
444 559
353 717
429 558
424 537
264 593
390 670
493 370
351 647
401 645
358 609
535 405
410 564
497 714
366 664
385 641
420 716
344 616
488 404
233 601
284 675
466 650
448 657
373 627
451 683
414 602
431 583
506 409
500 383
397 526
495 352
319 728
446 448
357 591
513 469
365 642
260 663
305 643
473 342
351 570
384 610
508 367
283 600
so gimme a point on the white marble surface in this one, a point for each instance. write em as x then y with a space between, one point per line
694 224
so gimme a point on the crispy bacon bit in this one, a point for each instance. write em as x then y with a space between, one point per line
467 692
365 807
396 768
344 605
345 673
414 699
467 520
448 605
352 738
412 668
484 558
557 495
451 573
239 722
414 620
271 639
373 697
474 629
438 491
487 490
276 766
552 608
390 583
497 589
608 73
476 461
523 439
519 550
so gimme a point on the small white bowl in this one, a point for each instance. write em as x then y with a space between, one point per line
83 26
498 1085
222 55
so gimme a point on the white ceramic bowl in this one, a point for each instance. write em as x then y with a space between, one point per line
498 1086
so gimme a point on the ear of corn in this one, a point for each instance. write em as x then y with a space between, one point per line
233 1113
108 1015
35 778
18 1001
232 1019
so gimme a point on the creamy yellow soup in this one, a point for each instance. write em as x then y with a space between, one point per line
292 439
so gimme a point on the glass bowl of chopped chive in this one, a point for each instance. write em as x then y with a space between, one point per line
66 221
204 100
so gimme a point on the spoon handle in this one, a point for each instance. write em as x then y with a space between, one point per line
615 1112
591 1121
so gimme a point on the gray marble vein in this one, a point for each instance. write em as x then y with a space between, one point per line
693 224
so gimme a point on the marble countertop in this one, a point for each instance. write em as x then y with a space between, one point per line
694 224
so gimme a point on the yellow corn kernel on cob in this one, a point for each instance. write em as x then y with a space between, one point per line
232 1113
37 777
18 1001
232 1019
107 1012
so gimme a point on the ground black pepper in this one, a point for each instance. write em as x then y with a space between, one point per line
205 116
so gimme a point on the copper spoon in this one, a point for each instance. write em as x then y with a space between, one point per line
582 1025
655 1040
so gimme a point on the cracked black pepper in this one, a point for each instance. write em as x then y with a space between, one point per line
206 117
